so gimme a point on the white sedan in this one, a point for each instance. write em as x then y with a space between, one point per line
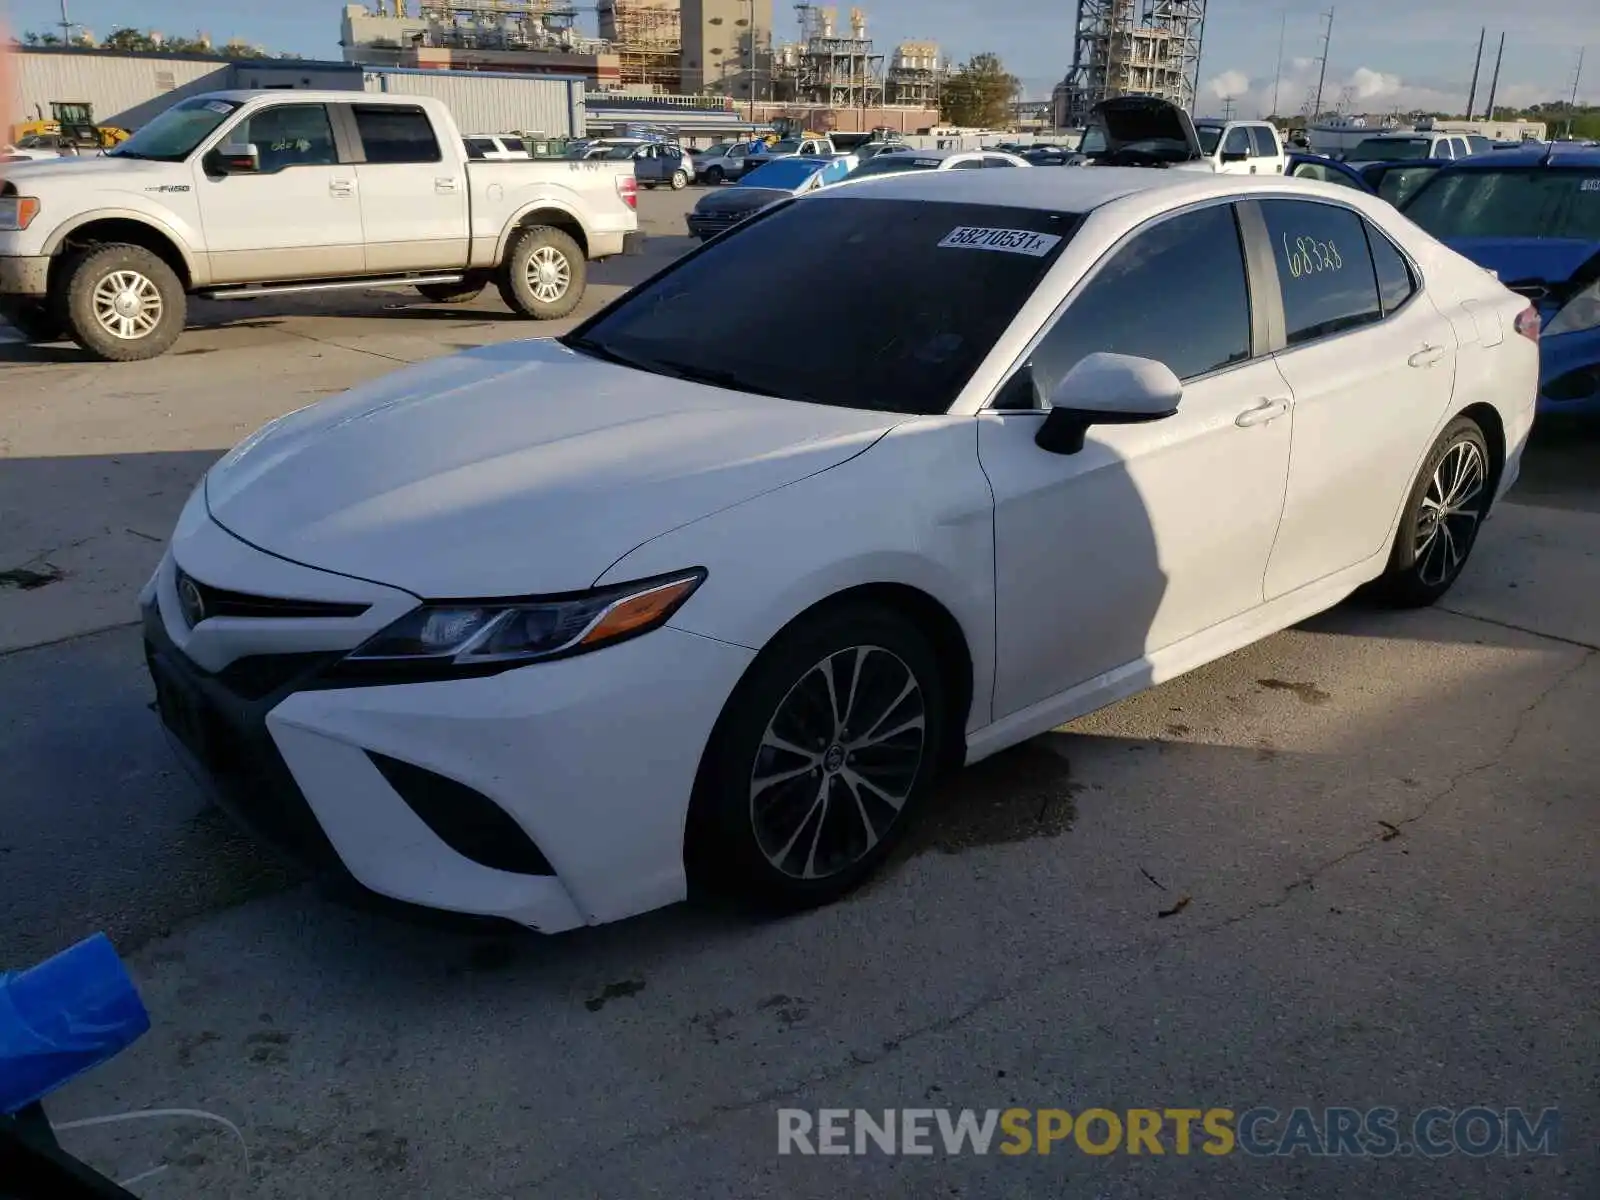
563 630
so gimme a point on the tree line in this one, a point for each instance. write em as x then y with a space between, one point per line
139 41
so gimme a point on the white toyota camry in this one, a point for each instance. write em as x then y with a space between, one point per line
565 629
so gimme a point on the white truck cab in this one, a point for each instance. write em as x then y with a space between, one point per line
249 193
1242 147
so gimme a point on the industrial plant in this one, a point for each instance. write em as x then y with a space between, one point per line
1123 47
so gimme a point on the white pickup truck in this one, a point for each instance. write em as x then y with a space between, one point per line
235 195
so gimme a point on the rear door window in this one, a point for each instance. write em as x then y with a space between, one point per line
1325 269
393 133
1265 141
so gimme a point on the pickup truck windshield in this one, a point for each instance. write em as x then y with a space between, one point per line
1540 202
917 293
173 136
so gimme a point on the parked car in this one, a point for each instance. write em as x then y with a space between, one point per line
1533 218
1393 181
808 147
781 179
655 163
1142 131
1241 147
1396 147
735 608
1054 156
496 147
724 161
239 194
936 160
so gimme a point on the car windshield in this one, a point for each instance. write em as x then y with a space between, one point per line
173 136
890 164
1511 203
1210 135
785 174
917 294
1389 149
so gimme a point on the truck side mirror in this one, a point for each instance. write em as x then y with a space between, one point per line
239 159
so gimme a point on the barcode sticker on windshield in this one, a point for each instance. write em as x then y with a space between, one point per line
1009 241
1590 185
219 106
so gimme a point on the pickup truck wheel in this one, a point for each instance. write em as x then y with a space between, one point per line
122 303
544 274
680 180
33 319
451 293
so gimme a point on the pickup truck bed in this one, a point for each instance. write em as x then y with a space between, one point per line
241 194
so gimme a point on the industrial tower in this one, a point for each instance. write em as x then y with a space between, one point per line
1132 47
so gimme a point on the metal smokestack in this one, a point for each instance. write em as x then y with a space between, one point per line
1477 65
1495 82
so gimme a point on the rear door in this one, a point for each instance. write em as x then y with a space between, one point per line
298 217
1268 156
1371 363
414 202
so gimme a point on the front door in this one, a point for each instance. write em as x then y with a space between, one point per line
299 217
1154 532
413 197
1372 366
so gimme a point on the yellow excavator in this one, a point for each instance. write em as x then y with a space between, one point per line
70 124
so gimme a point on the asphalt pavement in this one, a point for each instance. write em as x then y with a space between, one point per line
1352 866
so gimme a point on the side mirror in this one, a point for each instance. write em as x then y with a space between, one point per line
1235 155
239 159
1107 389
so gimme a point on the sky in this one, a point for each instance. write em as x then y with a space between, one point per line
1390 54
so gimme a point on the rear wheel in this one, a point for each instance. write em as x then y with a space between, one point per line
122 303
821 756
544 274
1447 505
680 180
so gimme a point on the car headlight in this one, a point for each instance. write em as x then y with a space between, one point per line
1581 312
466 637
17 213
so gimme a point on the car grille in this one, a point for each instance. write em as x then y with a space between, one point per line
219 602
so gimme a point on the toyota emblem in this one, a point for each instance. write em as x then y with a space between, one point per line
191 601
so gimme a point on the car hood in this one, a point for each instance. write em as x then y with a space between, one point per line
739 199
91 165
513 470
1129 119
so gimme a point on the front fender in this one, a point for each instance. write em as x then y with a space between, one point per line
914 510
153 218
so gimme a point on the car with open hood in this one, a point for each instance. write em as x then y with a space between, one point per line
567 629
1142 131
1533 218
779 179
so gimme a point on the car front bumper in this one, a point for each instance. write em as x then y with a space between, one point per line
591 759
24 275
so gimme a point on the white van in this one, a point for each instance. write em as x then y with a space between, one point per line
1242 147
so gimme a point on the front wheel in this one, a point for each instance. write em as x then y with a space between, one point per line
122 303
1446 508
714 176
544 274
820 758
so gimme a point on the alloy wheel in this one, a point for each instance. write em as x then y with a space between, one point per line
837 762
1451 508
127 305
549 274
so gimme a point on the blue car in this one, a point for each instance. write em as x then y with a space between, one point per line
1393 181
1533 218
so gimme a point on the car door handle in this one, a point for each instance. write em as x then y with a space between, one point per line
343 187
1267 410
444 185
1426 357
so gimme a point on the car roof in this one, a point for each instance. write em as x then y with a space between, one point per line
1551 154
1079 190
1230 121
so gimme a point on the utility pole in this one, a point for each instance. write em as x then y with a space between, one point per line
1283 32
1322 77
1477 65
66 25
1577 75
1494 84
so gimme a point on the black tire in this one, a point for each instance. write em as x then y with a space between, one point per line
517 289
651 185
34 320
724 850
1429 553
90 317
713 176
680 180
452 293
